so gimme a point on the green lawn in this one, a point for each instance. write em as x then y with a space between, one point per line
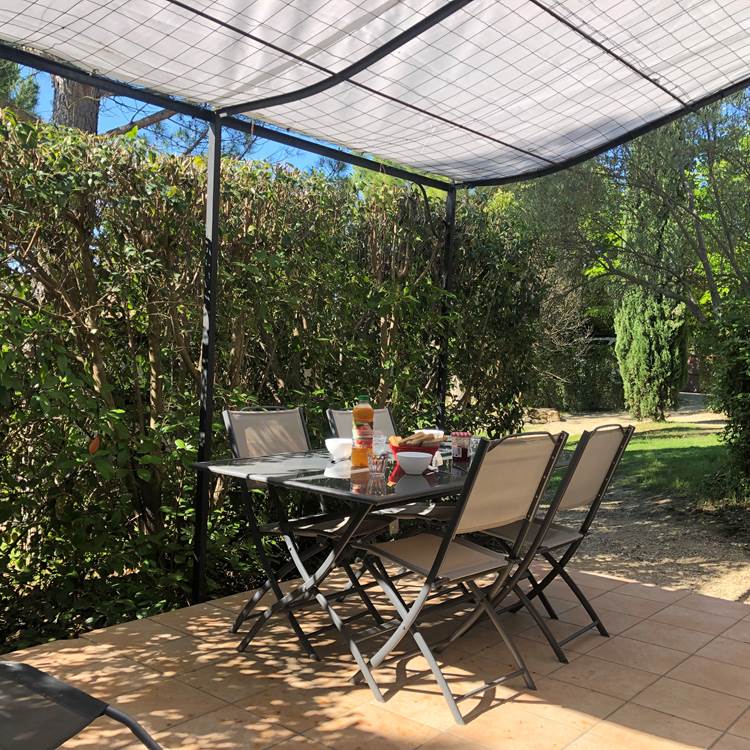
672 460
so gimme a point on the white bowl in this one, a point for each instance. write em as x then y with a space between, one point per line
339 448
412 462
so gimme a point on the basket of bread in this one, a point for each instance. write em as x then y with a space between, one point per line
424 441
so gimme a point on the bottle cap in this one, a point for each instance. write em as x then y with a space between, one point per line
363 397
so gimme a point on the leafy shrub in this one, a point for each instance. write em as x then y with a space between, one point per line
590 382
652 351
731 389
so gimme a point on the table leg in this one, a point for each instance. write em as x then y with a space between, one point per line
273 582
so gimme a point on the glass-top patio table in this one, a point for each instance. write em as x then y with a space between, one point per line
314 472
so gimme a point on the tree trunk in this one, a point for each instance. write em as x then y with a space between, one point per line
75 105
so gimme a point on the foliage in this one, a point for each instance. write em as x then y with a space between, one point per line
588 382
731 384
327 287
652 353
17 90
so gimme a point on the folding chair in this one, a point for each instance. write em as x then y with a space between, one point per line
505 483
340 421
594 462
254 433
38 712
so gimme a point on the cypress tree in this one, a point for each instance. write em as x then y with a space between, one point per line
651 351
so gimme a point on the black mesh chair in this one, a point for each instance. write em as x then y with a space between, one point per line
38 712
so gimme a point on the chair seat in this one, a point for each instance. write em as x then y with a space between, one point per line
411 511
332 527
463 559
556 536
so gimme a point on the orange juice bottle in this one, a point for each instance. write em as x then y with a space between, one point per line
363 417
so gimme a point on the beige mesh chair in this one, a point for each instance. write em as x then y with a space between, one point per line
594 462
505 483
254 433
340 421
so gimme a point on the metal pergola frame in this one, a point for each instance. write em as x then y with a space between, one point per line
227 118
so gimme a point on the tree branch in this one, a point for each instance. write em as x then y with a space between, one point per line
144 122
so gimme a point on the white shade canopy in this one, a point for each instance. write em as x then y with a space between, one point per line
487 90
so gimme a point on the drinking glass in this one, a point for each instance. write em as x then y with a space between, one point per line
377 462
379 443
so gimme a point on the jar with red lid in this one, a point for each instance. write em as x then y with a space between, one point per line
460 445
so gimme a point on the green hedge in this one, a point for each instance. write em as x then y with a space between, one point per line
328 287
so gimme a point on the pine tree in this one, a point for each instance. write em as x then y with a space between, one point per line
651 351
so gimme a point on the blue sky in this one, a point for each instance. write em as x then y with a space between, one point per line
116 112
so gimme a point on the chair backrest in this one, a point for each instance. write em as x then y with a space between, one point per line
509 482
601 452
340 421
262 433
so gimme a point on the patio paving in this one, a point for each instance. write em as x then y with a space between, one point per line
674 674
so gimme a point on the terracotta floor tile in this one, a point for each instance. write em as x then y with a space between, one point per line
299 742
654 593
709 673
615 622
561 590
715 606
598 581
657 724
561 605
107 678
103 733
640 655
228 728
167 703
371 726
447 741
739 632
538 657
234 679
301 709
59 657
175 657
732 742
692 619
140 633
566 703
727 650
691 702
742 726
670 636
638 728
511 727
628 605
605 676
202 621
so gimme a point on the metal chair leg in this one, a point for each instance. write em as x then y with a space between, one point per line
579 594
357 586
489 610
542 625
395 598
133 726
543 598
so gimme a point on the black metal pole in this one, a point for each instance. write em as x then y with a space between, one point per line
446 283
208 357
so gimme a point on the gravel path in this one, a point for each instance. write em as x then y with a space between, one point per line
663 540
